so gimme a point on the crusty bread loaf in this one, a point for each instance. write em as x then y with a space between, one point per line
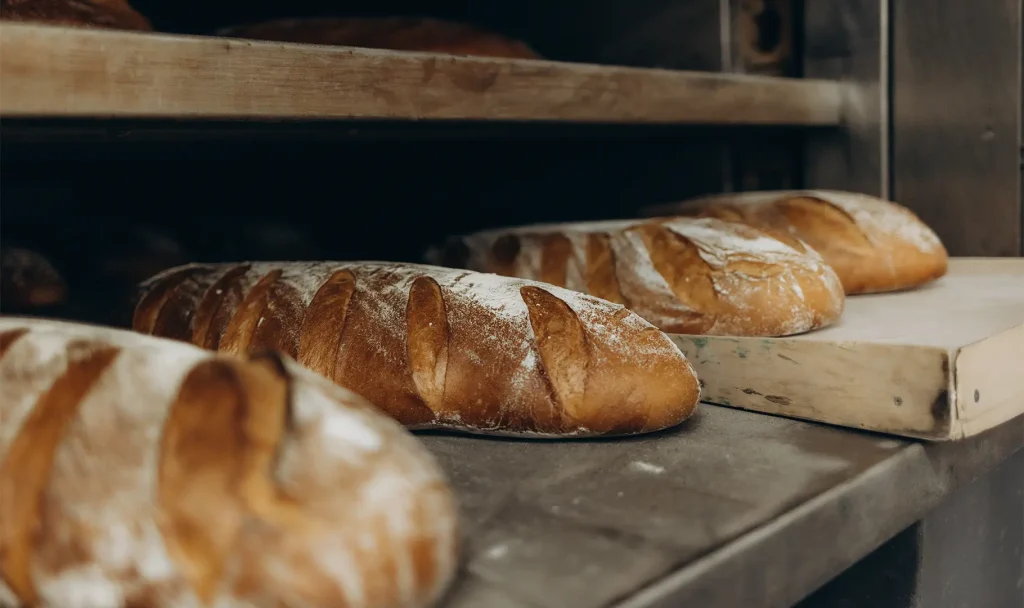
873 245
394 33
28 281
143 472
436 347
112 14
693 276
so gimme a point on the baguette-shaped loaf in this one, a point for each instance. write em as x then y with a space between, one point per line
393 33
874 245
436 347
111 14
692 276
143 472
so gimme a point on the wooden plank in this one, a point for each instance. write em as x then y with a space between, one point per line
941 362
57 72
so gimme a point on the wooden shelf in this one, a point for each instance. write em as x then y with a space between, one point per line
59 72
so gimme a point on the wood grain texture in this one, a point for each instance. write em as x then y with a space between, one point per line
940 362
50 71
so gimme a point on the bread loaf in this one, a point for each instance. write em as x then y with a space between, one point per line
28 281
873 245
394 33
436 347
692 276
143 472
112 14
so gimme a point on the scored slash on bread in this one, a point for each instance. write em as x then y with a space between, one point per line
689 276
144 472
437 347
874 245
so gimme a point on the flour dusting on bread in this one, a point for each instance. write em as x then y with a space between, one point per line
511 353
763 286
879 217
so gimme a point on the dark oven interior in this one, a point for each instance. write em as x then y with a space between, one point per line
111 202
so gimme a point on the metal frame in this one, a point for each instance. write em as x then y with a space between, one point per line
968 551
848 40
933 112
956 120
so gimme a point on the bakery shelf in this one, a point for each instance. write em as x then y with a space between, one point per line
56 72
733 508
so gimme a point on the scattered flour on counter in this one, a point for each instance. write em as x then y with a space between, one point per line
646 467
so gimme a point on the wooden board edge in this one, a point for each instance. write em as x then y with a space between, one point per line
889 388
68 72
989 382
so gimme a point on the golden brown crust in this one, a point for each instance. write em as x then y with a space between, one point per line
393 33
213 314
8 338
873 245
172 320
319 337
601 279
138 471
691 276
151 303
112 14
225 429
435 347
26 466
427 343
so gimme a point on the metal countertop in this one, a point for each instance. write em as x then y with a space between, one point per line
732 508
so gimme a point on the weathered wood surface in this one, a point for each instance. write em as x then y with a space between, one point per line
60 72
944 361
733 508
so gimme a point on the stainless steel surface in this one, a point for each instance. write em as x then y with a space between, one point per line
968 551
732 509
956 120
972 545
848 40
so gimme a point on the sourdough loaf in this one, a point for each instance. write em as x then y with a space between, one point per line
394 33
143 472
28 281
693 276
436 347
873 245
112 14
